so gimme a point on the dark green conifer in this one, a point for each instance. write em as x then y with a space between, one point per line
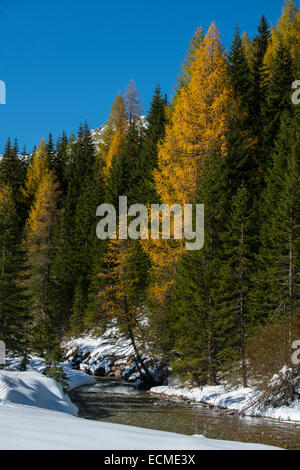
277 100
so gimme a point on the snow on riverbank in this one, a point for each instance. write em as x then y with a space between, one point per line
75 378
236 400
32 388
35 390
109 355
97 355
36 414
27 428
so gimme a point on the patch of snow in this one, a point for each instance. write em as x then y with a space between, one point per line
28 428
75 378
34 389
236 400
36 414
94 353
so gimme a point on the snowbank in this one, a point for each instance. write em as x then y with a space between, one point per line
111 353
27 428
36 414
34 389
75 378
230 400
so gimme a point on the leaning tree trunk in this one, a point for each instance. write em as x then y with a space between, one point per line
141 366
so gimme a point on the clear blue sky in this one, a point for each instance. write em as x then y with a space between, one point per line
65 60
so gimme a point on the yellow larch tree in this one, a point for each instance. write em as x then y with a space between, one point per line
287 32
37 169
38 244
114 133
186 67
249 50
198 124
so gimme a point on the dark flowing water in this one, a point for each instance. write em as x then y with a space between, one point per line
118 402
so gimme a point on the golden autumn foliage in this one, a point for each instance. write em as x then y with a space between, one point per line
38 242
164 256
106 133
43 211
186 68
113 136
287 32
115 148
116 280
7 214
36 171
198 123
249 50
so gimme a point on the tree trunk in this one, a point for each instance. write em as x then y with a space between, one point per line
138 359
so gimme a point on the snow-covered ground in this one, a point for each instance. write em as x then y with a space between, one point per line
34 389
75 378
24 427
237 400
93 354
36 414
110 354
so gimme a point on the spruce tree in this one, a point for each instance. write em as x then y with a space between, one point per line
260 43
143 173
12 174
195 303
241 137
14 316
89 248
277 282
60 162
241 78
79 172
235 280
50 151
278 100
40 252
121 181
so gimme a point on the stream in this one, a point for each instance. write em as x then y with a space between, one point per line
119 402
